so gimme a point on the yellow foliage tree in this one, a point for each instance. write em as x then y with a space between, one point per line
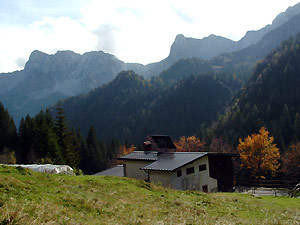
189 144
259 154
123 150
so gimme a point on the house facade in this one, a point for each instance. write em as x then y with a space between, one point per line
203 171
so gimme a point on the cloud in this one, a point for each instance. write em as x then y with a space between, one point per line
47 35
133 30
21 62
106 38
182 15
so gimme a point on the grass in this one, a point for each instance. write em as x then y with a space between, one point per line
27 197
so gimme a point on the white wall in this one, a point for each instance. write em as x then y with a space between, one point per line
133 169
194 181
161 177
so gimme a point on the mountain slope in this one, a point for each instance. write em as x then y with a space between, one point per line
270 98
212 46
131 107
247 57
252 37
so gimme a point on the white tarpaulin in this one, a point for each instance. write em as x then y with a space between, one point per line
47 168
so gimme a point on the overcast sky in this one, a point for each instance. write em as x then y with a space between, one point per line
133 30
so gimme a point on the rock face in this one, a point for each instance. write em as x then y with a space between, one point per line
252 37
211 46
205 48
48 78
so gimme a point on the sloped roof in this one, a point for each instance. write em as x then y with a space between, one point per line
140 155
171 161
117 171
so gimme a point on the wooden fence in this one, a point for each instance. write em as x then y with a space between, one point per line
266 183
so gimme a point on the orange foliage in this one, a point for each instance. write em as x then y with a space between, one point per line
123 150
190 144
259 154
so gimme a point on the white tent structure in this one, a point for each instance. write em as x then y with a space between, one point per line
47 168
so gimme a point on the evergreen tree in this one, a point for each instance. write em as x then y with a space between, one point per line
296 128
114 148
65 139
94 154
8 132
83 152
74 157
45 140
27 130
104 155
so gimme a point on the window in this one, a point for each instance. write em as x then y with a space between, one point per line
202 167
190 170
179 173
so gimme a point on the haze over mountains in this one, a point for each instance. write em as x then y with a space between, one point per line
48 78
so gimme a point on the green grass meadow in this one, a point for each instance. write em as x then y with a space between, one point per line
27 197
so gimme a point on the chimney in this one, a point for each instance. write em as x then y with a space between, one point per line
147 146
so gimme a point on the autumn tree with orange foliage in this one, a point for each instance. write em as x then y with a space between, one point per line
189 144
123 150
259 154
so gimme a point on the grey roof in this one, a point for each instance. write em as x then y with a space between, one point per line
140 155
171 161
117 171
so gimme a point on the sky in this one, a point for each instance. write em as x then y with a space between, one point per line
138 31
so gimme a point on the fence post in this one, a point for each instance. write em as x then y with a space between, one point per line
275 192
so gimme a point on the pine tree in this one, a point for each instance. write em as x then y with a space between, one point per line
296 128
114 148
74 157
65 138
45 140
94 155
83 152
27 130
8 132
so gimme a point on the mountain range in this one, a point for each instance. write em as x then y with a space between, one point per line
131 107
46 79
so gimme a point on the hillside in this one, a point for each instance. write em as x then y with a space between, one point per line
130 107
270 98
27 197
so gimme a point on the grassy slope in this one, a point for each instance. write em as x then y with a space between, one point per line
27 197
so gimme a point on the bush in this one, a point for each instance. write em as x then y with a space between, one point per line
7 156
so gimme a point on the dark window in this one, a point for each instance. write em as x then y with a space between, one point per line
202 167
190 170
179 173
